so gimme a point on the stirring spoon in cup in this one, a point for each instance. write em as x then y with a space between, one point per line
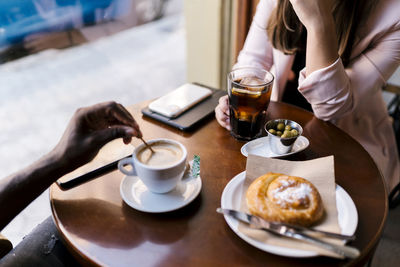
147 145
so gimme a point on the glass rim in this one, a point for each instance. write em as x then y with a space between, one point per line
251 86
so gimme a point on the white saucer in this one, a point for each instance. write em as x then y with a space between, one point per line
347 217
260 147
136 195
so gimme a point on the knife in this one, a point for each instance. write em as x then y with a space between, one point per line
311 230
285 230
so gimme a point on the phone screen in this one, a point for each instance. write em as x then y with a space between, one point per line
179 100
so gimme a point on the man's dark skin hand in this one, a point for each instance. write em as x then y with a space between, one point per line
89 129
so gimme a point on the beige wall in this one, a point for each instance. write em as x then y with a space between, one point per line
208 37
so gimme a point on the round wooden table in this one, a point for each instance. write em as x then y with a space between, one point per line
100 229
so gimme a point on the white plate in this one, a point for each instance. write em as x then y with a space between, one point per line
260 147
347 217
136 195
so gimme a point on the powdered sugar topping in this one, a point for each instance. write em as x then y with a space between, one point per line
290 193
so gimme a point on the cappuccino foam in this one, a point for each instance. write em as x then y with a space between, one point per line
165 154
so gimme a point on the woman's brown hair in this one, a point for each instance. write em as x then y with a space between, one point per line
287 33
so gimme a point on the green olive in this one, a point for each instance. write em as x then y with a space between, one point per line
294 132
286 134
278 133
280 126
288 128
272 131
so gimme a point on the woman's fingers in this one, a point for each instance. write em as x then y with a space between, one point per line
223 103
222 112
223 120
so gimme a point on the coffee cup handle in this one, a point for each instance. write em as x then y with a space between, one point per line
126 161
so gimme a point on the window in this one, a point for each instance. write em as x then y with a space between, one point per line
58 55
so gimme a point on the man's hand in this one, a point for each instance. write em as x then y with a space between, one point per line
92 127
89 129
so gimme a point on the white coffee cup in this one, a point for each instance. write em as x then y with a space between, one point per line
160 171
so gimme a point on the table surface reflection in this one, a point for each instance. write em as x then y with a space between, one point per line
100 229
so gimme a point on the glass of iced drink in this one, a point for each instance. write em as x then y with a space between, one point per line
249 91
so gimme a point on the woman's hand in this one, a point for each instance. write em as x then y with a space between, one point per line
313 13
222 112
322 43
92 127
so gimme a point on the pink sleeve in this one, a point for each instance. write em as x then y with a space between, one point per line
257 50
335 91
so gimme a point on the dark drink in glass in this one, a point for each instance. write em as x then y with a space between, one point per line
249 92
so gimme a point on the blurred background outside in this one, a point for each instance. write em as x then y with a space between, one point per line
58 55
